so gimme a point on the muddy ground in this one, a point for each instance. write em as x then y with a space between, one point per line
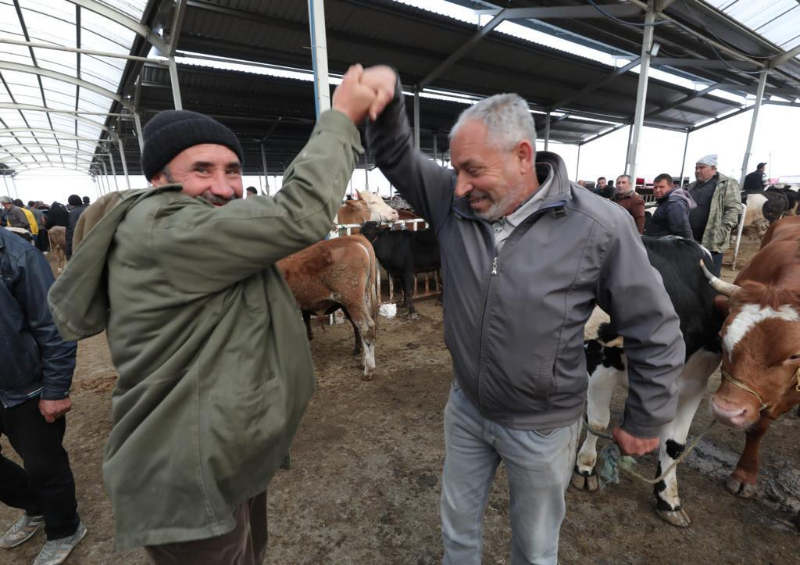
365 482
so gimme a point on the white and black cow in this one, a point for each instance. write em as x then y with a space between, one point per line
676 260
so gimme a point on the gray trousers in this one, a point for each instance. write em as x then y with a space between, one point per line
539 468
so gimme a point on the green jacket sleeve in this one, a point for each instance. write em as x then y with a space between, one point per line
732 204
203 248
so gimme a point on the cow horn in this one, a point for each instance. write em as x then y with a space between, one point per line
719 285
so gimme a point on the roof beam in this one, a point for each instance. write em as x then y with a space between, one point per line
565 12
463 50
53 154
34 108
66 148
19 67
722 118
126 21
703 63
14 132
66 49
783 58
683 100
592 87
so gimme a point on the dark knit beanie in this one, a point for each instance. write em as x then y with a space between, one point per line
172 131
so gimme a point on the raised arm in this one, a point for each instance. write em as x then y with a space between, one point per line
428 187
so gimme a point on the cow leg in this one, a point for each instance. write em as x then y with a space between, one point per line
367 331
408 295
307 322
602 382
691 386
356 334
743 480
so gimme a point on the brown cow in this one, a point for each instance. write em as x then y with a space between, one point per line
57 236
761 346
338 272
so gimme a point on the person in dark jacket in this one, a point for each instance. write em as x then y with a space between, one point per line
86 201
528 255
627 197
74 215
35 378
58 215
754 182
672 215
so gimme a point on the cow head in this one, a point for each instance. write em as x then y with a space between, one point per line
379 210
370 230
761 353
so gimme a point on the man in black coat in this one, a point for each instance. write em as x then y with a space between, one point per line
754 182
672 215
77 208
35 378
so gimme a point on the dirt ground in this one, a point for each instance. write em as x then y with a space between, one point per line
365 482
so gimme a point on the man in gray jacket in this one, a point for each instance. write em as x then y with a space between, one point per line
526 255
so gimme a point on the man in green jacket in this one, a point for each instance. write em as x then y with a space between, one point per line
718 207
214 367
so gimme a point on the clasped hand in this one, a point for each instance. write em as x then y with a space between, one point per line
364 92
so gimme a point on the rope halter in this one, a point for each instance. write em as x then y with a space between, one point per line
763 405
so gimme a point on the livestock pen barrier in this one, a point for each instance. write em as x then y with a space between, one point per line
416 224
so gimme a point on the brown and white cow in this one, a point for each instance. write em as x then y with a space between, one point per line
370 208
339 272
57 236
761 346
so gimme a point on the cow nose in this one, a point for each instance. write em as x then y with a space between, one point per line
731 414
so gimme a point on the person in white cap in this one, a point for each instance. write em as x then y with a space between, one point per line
718 208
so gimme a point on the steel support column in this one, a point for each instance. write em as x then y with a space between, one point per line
435 148
578 165
176 87
547 132
319 55
5 182
416 118
139 134
124 161
762 82
105 176
113 171
641 93
264 164
627 153
683 163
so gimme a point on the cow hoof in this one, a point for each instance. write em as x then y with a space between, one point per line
678 518
740 489
366 377
582 480
413 316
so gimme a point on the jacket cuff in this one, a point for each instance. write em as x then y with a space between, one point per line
639 430
343 127
54 394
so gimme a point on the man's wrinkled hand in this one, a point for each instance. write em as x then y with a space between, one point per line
52 410
382 80
632 445
352 97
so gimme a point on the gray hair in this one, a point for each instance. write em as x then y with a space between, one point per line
625 177
507 120
6 200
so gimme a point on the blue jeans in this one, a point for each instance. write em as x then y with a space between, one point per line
539 467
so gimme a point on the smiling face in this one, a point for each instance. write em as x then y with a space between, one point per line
494 181
209 171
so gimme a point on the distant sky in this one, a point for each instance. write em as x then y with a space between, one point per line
660 152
